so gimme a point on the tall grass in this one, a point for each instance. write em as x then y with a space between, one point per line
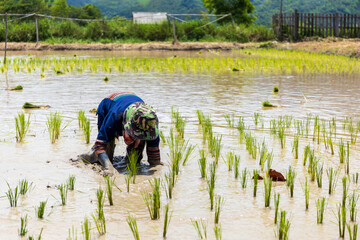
21 126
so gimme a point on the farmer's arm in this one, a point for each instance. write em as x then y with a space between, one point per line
153 151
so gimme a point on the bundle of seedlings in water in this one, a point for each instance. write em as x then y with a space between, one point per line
319 173
267 190
21 126
54 125
341 219
267 104
290 180
24 186
295 147
230 120
71 182
202 162
17 88
275 89
41 209
12 195
229 160
353 199
86 229
131 220
167 219
333 177
28 105
211 183
283 226
255 178
152 200
320 209
99 215
276 202
236 166
244 177
23 225
217 232
353 232
63 193
219 202
132 166
200 227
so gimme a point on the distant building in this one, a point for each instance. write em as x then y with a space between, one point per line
149 17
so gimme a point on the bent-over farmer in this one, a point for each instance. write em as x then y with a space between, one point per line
125 114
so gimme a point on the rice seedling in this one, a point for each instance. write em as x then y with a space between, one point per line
257 118
21 126
189 149
24 186
127 181
217 232
281 135
330 143
319 173
283 226
40 210
12 195
355 178
236 166
99 215
110 182
353 232
219 202
72 234
267 190
251 145
306 193
241 127
200 227
333 177
131 220
347 160
87 131
307 152
341 219
353 199
320 209
244 177
290 180
63 193
276 202
152 200
162 137
345 189
39 237
167 219
70 183
255 178
269 160
313 163
211 184
202 163
54 125
169 184
23 225
86 229
263 153
230 120
342 151
81 118
200 115
229 160
132 165
179 122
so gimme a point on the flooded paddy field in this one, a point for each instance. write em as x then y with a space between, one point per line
318 107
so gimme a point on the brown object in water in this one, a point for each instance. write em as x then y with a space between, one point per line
276 176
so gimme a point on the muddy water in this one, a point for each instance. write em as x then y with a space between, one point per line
243 217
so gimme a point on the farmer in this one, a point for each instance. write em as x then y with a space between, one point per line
125 114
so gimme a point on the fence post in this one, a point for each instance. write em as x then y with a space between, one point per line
296 25
6 34
336 25
174 31
37 29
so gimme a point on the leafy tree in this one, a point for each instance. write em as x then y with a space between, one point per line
23 6
60 8
240 9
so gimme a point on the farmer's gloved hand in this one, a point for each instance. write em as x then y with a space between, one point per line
104 160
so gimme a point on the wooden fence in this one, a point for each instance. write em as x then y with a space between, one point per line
298 25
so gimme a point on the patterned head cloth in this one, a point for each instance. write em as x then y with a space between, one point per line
141 122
